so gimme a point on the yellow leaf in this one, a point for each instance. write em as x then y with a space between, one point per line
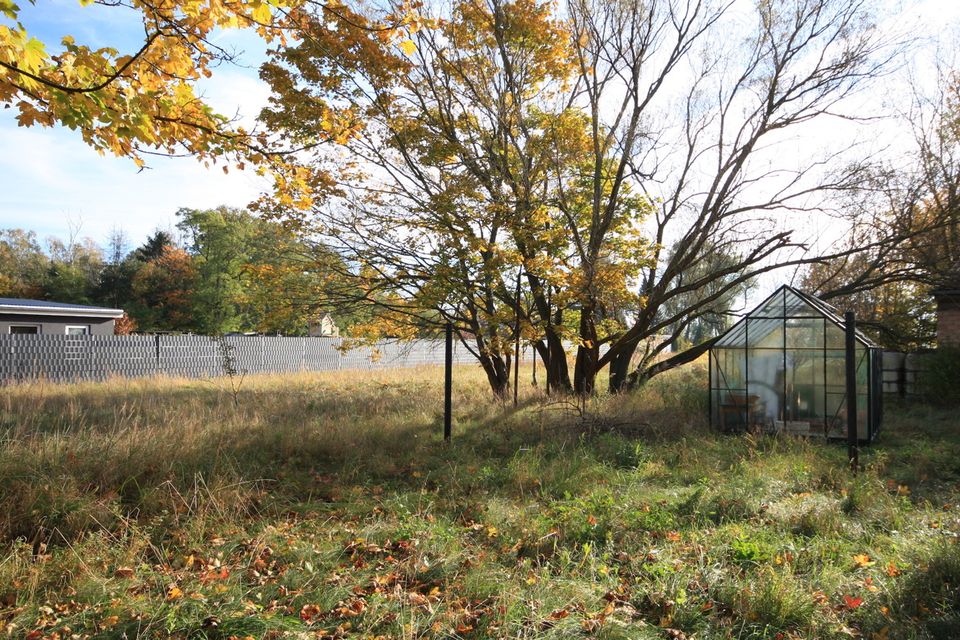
261 13
862 560
409 47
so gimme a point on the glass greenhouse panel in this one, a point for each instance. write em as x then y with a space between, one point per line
783 368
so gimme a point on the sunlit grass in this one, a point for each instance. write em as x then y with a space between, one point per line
327 505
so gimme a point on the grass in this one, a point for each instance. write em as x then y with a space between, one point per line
327 506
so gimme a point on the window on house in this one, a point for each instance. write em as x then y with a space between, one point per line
24 329
78 330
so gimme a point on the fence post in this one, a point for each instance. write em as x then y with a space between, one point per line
156 343
448 383
853 451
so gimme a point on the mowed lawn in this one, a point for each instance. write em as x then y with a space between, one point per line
327 506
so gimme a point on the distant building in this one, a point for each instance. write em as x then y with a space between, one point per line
323 327
42 317
948 315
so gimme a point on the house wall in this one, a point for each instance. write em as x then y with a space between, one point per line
948 321
57 325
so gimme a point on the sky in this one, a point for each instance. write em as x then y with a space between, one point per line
53 184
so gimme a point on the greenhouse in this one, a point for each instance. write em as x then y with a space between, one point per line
783 368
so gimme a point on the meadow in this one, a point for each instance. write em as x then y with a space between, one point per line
328 506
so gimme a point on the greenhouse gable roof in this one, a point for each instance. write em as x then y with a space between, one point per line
784 304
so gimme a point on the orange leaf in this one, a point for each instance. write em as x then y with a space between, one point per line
852 603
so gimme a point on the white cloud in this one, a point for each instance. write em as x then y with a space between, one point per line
49 179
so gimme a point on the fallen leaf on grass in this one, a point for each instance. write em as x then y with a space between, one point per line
851 602
309 612
862 560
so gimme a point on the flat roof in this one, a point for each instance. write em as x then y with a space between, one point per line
24 306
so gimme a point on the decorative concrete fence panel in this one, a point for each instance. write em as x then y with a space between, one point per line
73 358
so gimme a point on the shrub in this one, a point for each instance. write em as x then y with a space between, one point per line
939 382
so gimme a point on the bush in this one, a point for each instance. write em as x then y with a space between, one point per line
939 383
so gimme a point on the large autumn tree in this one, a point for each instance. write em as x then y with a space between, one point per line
568 172
446 202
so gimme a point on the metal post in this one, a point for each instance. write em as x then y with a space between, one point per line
516 349
853 452
546 364
516 372
448 383
533 348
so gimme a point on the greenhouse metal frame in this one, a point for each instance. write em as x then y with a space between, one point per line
782 368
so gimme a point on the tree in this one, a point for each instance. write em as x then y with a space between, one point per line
163 292
461 132
154 246
918 201
899 313
287 281
74 270
707 153
713 317
115 286
145 101
22 264
604 153
219 240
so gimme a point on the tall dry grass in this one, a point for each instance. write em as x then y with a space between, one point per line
328 506
80 457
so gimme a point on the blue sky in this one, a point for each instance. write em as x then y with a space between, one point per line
53 183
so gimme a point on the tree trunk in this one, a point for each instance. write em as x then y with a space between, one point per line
588 354
554 360
620 368
498 374
639 376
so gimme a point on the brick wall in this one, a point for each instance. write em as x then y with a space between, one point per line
948 322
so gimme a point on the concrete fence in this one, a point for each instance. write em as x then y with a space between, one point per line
72 358
902 372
